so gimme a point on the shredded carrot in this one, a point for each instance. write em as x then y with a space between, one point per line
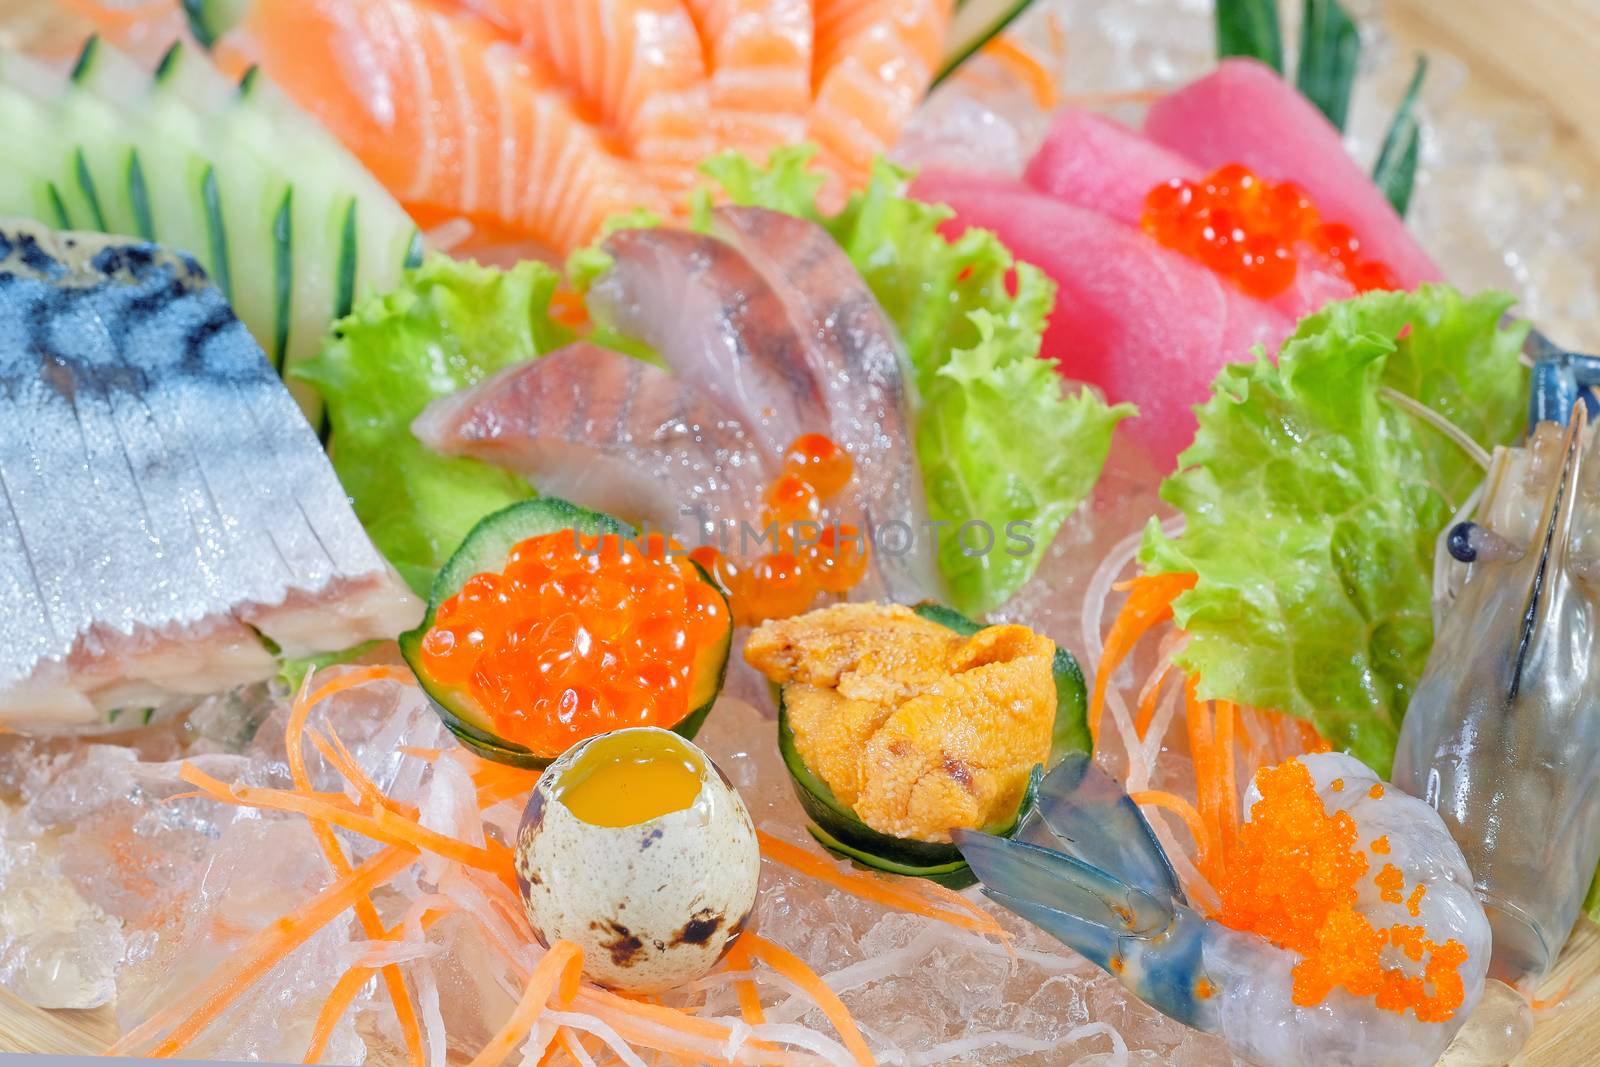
349 984
624 1015
1310 740
1227 780
1058 34
794 968
426 755
656 1013
1149 603
749 998
1149 697
1197 717
557 974
1027 69
380 825
566 1039
868 886
340 759
496 782
1159 798
192 1013
1561 994
339 999
567 307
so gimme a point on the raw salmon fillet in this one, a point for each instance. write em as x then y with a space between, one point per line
538 119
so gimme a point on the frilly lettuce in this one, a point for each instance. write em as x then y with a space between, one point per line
448 326
1311 505
999 439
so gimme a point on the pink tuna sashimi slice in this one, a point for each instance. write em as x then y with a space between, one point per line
1100 164
1244 113
1143 323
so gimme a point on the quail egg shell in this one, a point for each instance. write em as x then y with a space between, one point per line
637 847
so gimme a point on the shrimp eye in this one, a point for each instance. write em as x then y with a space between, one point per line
1460 543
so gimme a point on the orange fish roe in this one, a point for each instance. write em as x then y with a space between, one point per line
1337 785
1414 902
1376 792
1292 878
575 636
1391 884
814 554
1249 230
1380 845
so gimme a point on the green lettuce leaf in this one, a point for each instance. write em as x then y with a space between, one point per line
448 326
1000 439
1312 503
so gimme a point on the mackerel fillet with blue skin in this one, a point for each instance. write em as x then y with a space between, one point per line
168 519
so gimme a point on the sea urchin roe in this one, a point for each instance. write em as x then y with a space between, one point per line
1249 230
576 636
1293 877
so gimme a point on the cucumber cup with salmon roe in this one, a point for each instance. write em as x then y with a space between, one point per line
553 624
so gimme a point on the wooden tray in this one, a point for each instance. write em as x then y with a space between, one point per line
1537 51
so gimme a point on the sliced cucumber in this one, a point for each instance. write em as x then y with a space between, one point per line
210 19
841 831
288 224
486 549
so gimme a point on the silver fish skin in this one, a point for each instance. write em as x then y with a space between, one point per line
163 504
1502 735
856 357
610 432
718 324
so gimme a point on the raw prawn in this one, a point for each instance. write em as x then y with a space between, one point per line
1503 733
1348 933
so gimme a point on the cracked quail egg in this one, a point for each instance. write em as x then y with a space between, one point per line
636 846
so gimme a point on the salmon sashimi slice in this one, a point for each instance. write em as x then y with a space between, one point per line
874 61
539 119
446 113
635 68
1143 323
1245 113
758 58
610 432
718 324
1100 164
857 359
165 509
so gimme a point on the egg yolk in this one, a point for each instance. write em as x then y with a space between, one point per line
629 779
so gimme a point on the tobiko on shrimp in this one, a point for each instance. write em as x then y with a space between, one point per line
1347 932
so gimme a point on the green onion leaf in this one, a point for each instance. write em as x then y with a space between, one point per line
975 24
1250 28
1396 170
1330 49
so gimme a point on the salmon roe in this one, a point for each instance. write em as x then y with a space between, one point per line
1248 230
814 553
1292 876
577 635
